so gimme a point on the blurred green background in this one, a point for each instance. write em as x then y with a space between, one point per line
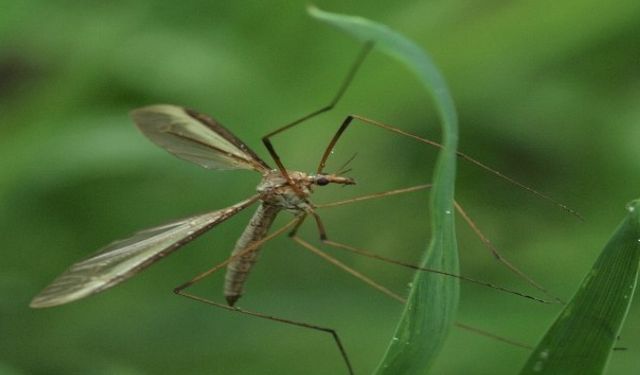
547 93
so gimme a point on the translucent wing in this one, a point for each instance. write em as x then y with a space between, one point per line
125 258
195 137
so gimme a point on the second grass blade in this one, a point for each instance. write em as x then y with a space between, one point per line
581 339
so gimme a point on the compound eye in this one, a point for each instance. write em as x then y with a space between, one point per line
321 181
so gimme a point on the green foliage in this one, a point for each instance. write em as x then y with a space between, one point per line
582 338
546 92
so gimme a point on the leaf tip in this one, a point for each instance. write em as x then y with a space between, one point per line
312 9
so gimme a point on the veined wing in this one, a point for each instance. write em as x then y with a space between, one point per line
125 258
195 137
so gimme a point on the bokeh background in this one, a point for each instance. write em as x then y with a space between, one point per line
547 92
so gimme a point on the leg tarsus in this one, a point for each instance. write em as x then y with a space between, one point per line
494 251
331 331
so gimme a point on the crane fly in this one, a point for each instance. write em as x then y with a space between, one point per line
200 139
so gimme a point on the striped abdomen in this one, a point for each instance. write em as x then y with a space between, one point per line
238 269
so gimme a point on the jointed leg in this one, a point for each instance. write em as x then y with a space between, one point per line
469 222
499 257
343 87
346 268
294 223
383 289
349 119
394 296
331 331
374 196
369 254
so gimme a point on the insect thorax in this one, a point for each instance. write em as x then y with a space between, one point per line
275 190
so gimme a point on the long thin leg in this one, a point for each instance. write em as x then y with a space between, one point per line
467 219
242 253
473 226
321 229
343 87
374 196
493 336
496 254
369 254
331 331
346 268
180 291
392 295
361 277
349 119
368 46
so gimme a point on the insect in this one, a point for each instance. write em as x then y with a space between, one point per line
200 139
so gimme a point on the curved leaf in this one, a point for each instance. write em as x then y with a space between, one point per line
433 300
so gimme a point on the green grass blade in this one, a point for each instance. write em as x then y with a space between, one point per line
581 339
433 300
